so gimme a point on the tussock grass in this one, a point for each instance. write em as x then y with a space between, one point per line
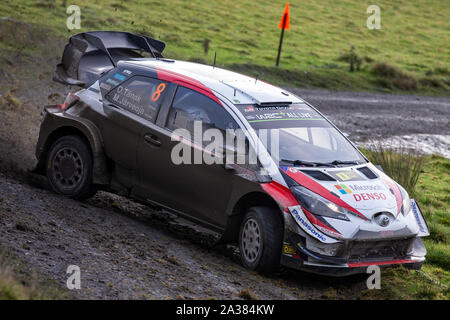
394 77
401 164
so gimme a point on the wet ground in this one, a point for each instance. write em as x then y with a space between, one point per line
417 122
126 250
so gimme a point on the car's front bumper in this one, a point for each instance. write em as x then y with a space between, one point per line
301 251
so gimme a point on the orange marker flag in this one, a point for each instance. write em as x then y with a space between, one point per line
284 23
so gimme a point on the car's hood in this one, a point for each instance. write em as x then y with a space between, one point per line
365 191
368 194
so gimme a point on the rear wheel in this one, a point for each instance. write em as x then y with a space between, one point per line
69 167
260 239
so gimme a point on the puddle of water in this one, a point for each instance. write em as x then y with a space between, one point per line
423 143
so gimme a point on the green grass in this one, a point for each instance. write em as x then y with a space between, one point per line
414 36
17 282
432 192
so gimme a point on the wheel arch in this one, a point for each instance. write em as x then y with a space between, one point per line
251 199
87 131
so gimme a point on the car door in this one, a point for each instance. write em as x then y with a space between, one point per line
201 190
128 109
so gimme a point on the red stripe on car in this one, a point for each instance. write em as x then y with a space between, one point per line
312 185
188 82
281 194
319 223
396 190
378 263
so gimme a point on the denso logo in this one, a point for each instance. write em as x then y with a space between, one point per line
369 196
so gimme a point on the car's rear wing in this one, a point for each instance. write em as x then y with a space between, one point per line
89 54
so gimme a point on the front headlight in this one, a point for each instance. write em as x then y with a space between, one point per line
406 204
319 205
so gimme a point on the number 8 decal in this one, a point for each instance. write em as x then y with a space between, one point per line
157 94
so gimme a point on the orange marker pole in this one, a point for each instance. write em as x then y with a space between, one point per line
284 24
281 41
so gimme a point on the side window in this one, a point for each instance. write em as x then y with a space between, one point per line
139 95
189 106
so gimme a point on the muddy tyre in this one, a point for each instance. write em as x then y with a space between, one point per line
69 167
260 239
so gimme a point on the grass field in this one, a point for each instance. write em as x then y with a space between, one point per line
413 38
432 192
18 282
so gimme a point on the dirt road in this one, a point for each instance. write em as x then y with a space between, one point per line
416 122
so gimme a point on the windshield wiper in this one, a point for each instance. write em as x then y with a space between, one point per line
308 163
336 162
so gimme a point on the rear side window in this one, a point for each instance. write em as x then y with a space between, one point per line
189 106
139 95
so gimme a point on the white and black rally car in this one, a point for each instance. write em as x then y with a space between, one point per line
310 201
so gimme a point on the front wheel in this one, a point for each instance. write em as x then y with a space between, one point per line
69 167
260 239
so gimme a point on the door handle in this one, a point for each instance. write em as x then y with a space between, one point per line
152 139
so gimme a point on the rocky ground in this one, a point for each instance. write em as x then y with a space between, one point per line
127 250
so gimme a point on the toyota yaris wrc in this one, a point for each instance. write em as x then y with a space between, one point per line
309 200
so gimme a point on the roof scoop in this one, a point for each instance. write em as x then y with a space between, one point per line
260 92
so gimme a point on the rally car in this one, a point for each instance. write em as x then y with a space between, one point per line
310 199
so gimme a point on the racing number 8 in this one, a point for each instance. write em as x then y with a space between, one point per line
157 94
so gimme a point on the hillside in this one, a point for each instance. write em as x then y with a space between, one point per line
413 39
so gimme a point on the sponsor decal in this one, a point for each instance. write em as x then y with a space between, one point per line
285 169
120 77
288 249
284 112
356 187
369 196
345 175
415 210
342 188
105 86
312 231
329 231
127 72
113 82
285 116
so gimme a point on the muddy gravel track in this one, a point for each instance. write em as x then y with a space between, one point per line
129 251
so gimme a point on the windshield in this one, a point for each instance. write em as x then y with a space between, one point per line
297 134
